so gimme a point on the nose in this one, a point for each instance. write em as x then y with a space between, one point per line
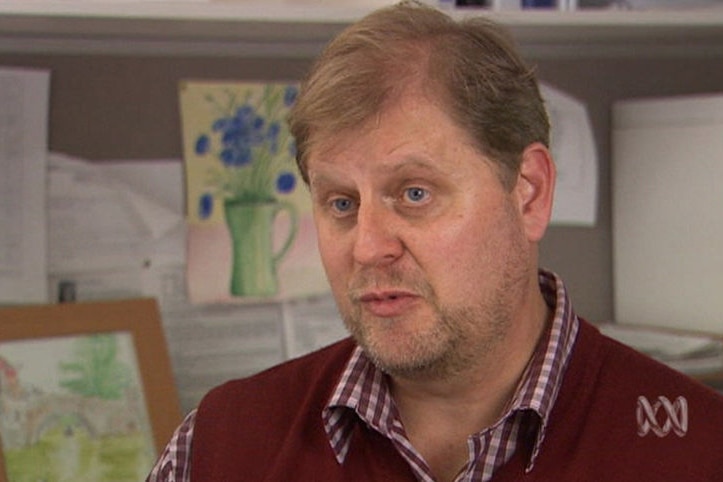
377 240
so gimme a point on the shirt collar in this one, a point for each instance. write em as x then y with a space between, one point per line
541 383
363 388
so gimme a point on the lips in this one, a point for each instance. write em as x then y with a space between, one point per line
388 304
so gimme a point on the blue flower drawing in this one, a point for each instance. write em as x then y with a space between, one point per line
251 140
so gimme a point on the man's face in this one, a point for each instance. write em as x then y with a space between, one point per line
424 249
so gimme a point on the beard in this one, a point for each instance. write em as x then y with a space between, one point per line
449 339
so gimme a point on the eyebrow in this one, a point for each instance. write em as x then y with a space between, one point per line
337 177
410 162
321 182
414 163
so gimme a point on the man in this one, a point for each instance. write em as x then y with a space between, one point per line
424 145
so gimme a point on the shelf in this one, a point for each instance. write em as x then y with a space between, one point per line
197 28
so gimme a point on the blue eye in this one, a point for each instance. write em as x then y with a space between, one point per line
415 194
342 204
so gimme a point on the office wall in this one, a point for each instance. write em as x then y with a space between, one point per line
583 256
115 107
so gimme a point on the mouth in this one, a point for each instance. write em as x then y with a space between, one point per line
383 295
389 303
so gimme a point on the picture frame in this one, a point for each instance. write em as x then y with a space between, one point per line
84 380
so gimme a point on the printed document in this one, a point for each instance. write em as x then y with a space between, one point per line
23 148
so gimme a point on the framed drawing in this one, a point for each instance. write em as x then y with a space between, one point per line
86 391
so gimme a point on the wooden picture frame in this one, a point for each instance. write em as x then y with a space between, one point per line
104 405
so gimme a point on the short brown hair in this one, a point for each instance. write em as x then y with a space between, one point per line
472 65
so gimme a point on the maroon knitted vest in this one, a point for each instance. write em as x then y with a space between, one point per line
268 427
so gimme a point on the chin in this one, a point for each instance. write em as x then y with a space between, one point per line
406 357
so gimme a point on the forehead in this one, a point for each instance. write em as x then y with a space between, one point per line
409 140
409 127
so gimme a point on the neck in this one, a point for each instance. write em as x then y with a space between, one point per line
440 413
493 376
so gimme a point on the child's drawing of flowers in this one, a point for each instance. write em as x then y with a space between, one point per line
241 173
252 142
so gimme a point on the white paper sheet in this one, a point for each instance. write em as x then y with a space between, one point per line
573 148
311 323
214 343
99 221
23 147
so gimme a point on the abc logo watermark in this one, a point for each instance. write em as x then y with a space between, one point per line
673 416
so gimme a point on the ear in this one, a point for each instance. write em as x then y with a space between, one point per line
535 189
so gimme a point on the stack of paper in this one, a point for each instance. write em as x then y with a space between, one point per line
689 353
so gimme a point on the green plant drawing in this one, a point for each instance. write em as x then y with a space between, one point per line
92 426
96 370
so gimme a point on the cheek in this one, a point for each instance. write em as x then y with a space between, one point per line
459 256
446 255
464 235
470 252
